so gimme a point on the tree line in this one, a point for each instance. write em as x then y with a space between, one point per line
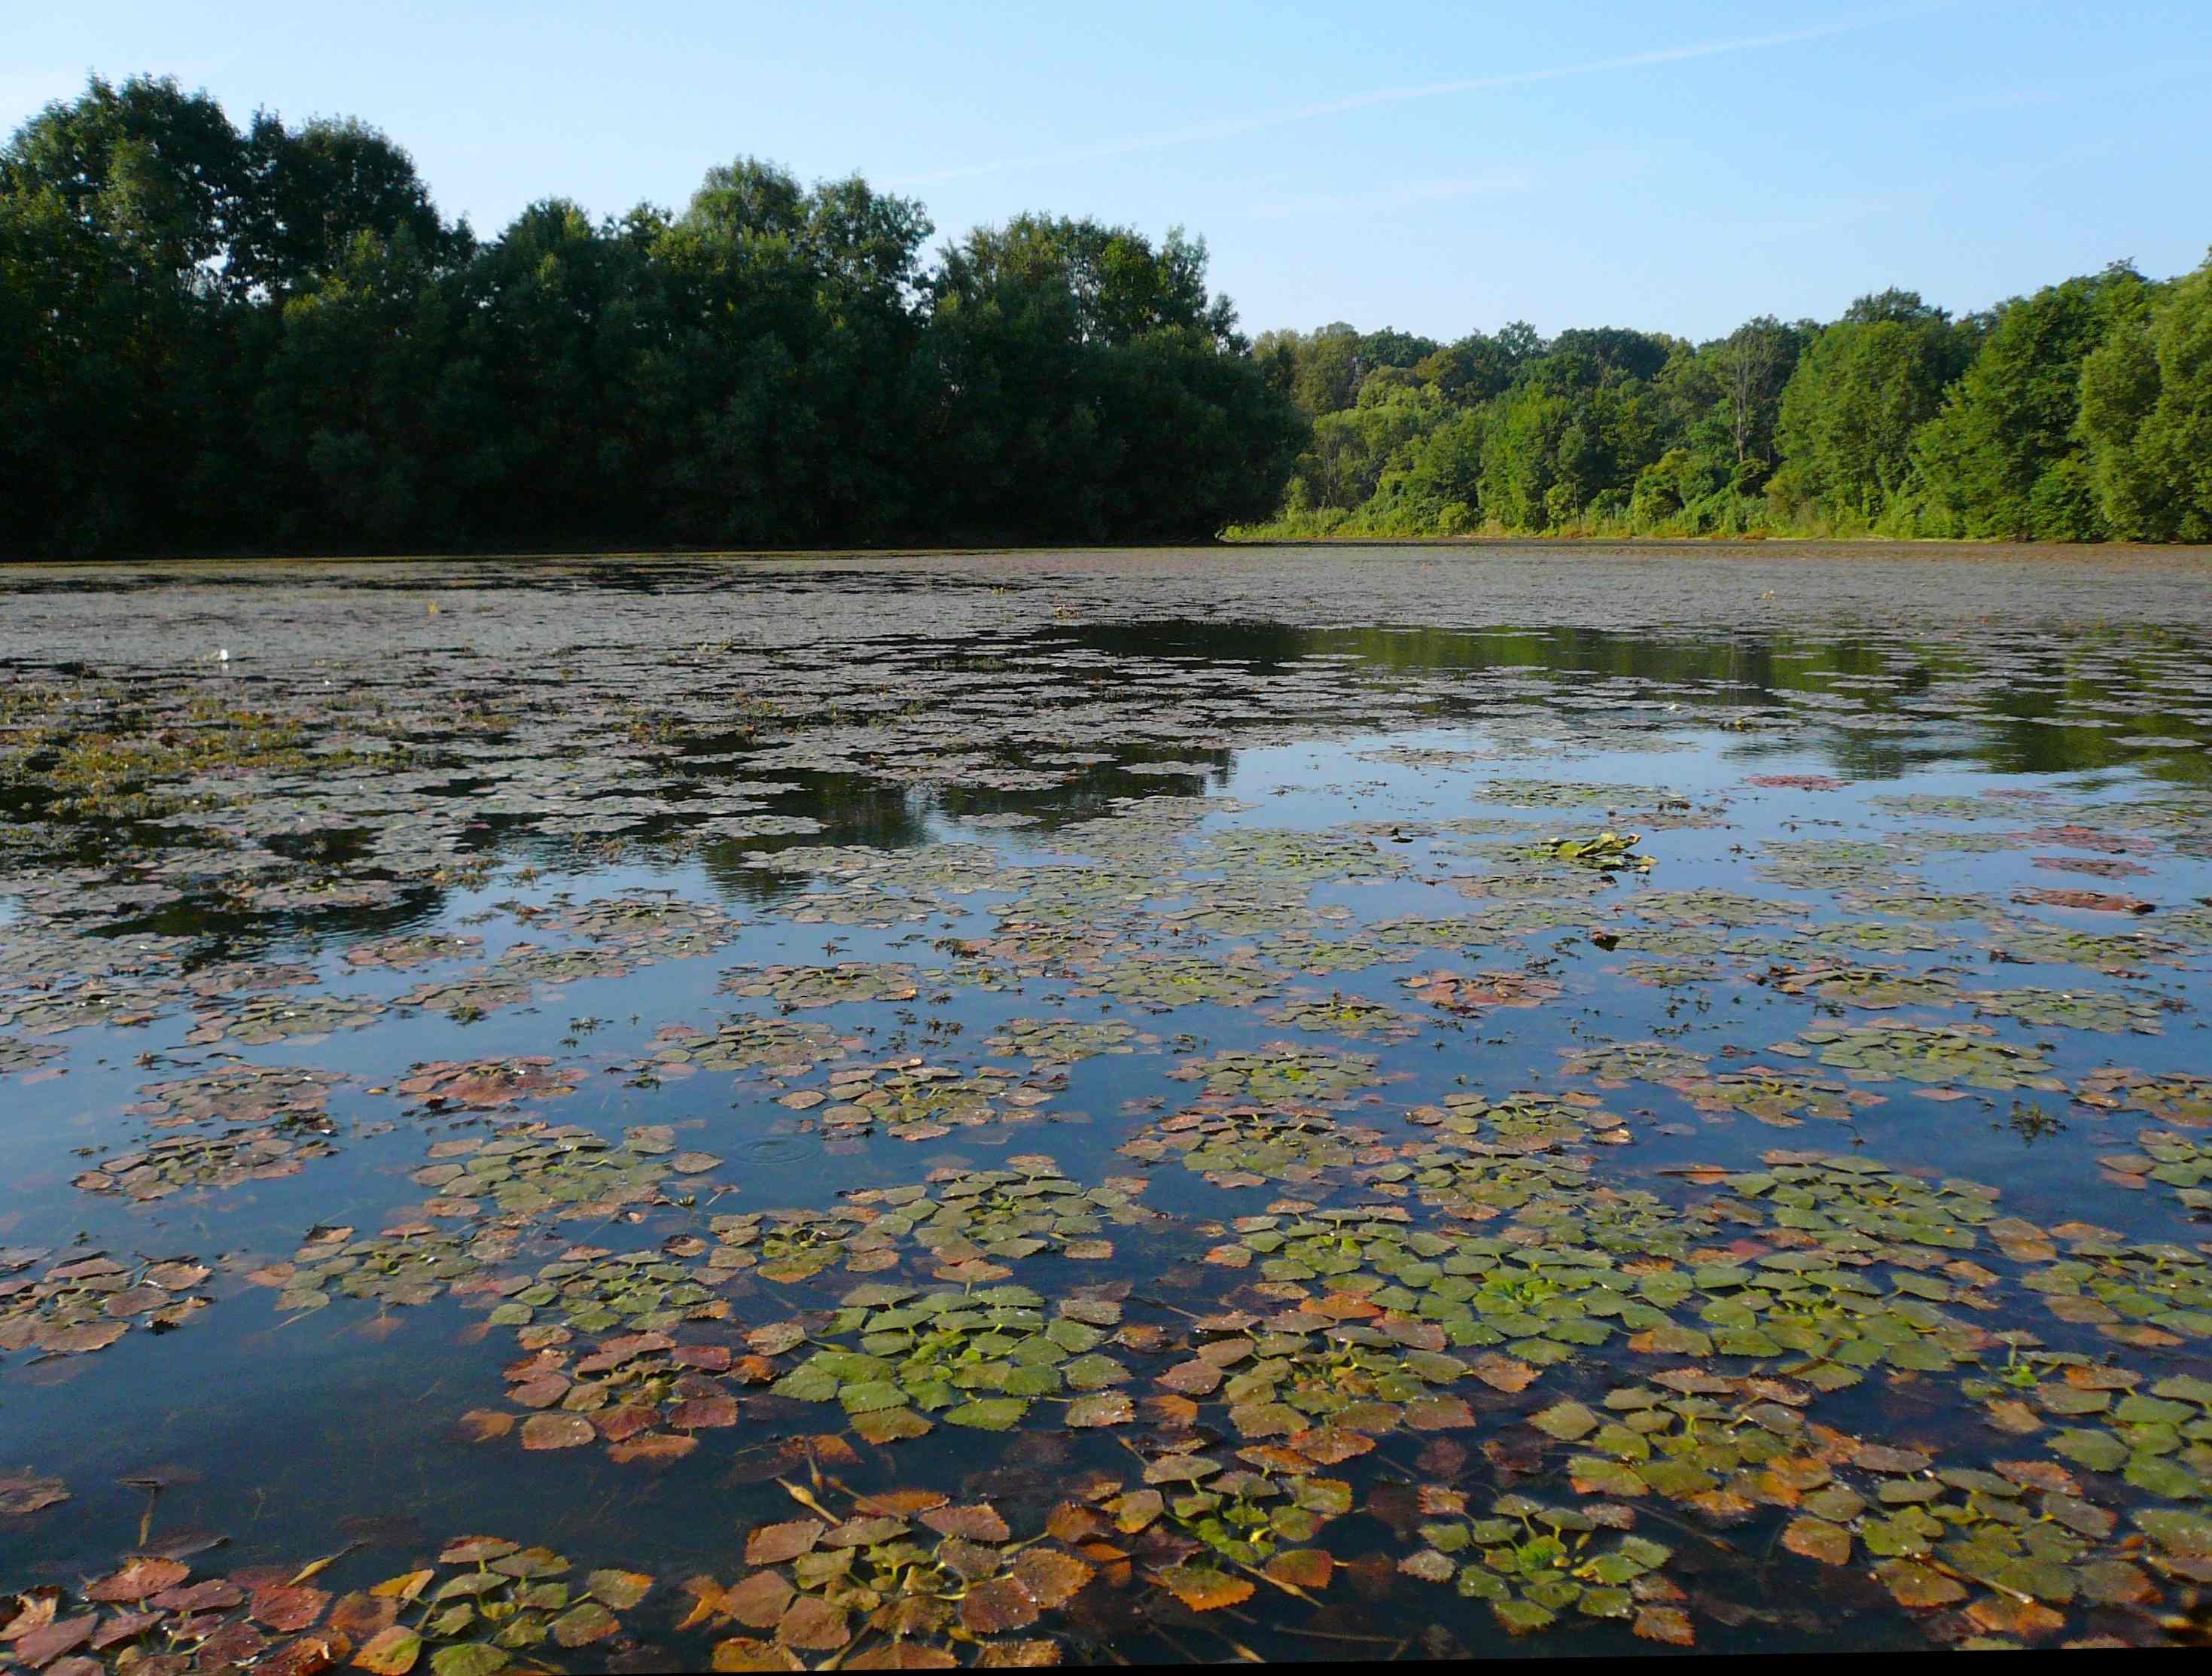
2081 413
267 339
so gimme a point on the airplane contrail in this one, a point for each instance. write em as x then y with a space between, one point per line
1234 125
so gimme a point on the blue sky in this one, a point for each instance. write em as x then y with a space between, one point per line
1432 166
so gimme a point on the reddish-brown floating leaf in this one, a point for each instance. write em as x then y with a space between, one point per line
125 1626
50 1640
760 1602
1301 1568
390 1652
828 1449
1193 1379
1438 1413
1330 1445
2045 1475
2097 901
1069 1523
699 1413
33 1610
904 1655
362 1615
235 1642
614 1424
1018 1656
138 1579
1439 1503
539 1393
27 1492
2009 1414
776 1337
995 1605
977 1523
481 1425
1276 1458
771 1545
2140 1334
2003 1616
745 1652
1052 1578
79 1340
902 1504
556 1431
1881 1458
653 1446
476 1549
1669 1623
890 1425
813 1624
1816 1538
288 1608
866 1533
1503 1373
1202 1588
1912 1584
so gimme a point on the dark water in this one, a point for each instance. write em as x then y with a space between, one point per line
1801 1208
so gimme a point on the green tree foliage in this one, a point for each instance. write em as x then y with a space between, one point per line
272 340
2005 456
2081 413
1860 390
2146 415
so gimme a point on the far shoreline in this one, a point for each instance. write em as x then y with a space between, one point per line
1722 546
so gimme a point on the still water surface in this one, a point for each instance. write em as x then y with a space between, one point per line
1595 1105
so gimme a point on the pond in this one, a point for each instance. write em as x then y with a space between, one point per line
1088 1107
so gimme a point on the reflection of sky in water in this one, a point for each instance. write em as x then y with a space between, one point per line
290 1424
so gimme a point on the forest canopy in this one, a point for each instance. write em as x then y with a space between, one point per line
267 338
2081 413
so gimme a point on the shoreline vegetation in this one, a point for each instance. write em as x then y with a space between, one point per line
266 339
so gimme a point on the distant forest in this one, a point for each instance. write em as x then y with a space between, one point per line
268 340
2081 413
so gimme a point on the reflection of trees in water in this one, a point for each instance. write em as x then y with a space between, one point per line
852 808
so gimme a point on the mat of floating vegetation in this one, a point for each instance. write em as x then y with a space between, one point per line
973 1221
485 1605
894 1579
1482 991
901 1360
783 1047
1282 1070
1968 1054
1244 1145
911 1100
90 1300
487 1085
2176 1096
176 1164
